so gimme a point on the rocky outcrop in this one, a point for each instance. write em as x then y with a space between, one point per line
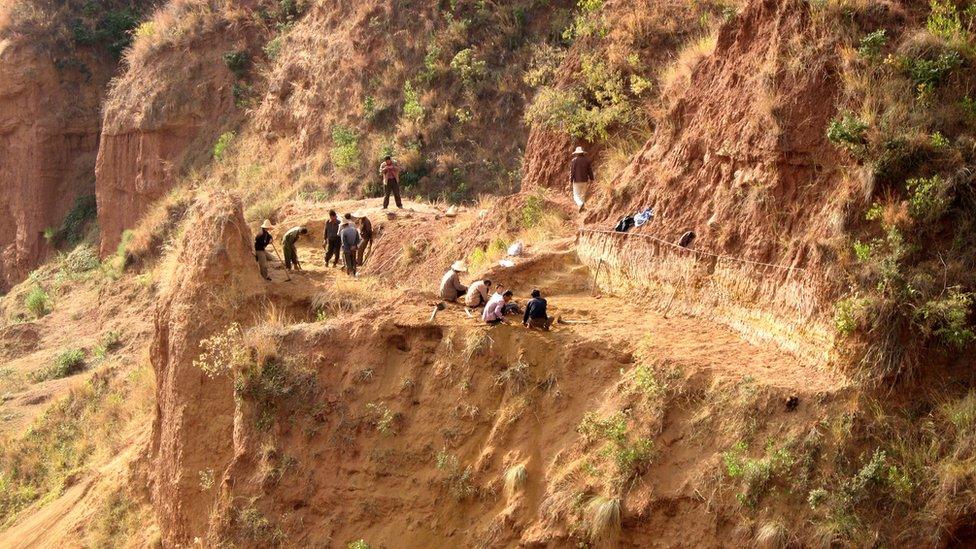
155 125
49 124
193 428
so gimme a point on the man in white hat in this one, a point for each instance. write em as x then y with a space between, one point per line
451 287
261 242
580 176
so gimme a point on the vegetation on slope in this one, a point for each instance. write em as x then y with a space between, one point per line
907 120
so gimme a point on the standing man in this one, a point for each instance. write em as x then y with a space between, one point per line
580 176
366 232
390 171
261 242
288 247
331 242
451 287
349 238
494 312
535 313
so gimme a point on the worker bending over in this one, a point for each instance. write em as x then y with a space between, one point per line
478 293
288 247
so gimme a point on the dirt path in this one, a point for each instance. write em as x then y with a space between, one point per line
695 343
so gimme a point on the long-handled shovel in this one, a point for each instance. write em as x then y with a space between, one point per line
287 276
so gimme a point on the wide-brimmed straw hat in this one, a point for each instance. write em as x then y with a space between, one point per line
267 224
579 150
452 211
459 266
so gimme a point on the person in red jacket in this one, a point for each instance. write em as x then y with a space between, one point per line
390 171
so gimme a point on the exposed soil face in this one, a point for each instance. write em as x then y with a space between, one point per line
49 124
384 392
152 132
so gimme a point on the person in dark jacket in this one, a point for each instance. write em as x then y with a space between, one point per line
261 242
350 239
332 242
580 176
366 234
535 313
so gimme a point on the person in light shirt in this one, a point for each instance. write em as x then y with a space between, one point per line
494 312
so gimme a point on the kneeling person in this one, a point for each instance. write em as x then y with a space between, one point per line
477 294
494 312
535 312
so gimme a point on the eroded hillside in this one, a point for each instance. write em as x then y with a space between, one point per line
798 376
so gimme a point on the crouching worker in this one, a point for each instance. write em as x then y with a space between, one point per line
451 287
477 294
494 312
288 247
535 313
261 242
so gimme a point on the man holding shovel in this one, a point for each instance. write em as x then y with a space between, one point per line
261 242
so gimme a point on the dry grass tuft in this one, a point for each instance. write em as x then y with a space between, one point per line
601 517
476 342
514 479
348 295
772 535
676 77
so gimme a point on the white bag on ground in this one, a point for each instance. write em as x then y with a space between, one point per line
516 249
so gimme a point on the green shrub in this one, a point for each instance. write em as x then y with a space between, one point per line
929 198
458 480
222 145
38 302
532 211
113 30
243 94
65 364
928 74
848 314
369 108
939 141
872 44
109 342
272 384
345 148
358 544
847 131
592 109
944 20
756 475
468 67
273 48
627 456
72 229
947 318
412 108
237 61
